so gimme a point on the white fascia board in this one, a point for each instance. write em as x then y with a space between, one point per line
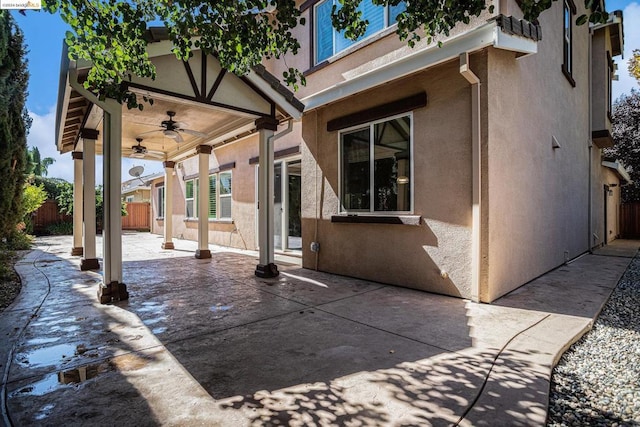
514 43
473 40
619 169
480 37
274 95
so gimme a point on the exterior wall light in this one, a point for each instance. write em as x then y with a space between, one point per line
403 180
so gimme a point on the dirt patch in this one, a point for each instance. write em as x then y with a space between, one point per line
10 284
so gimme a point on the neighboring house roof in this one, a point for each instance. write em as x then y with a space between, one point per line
619 169
142 183
616 33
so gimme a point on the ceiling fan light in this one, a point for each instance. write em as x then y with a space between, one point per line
171 133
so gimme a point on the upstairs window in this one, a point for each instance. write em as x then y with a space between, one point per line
375 167
569 10
329 42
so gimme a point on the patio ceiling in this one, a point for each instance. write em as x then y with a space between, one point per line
205 98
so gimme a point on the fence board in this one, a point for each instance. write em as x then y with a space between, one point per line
630 220
48 214
138 216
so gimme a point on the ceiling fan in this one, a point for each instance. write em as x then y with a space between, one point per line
139 151
173 129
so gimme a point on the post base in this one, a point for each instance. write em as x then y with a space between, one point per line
203 253
168 245
267 271
112 292
77 251
89 264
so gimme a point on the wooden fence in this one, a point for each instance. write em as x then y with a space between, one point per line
630 220
138 217
48 214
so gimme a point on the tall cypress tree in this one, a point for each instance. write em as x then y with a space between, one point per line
14 122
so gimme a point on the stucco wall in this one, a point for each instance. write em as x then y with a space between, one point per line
537 202
371 53
241 231
412 256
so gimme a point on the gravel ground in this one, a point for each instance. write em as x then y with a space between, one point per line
597 381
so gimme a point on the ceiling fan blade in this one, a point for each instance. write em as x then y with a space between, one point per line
194 133
151 131
178 137
180 125
156 154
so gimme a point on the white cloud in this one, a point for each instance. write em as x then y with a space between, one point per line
42 135
631 16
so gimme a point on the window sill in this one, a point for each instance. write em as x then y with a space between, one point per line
160 218
212 220
568 75
378 219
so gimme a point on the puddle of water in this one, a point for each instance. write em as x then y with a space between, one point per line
221 308
160 330
39 341
48 355
58 380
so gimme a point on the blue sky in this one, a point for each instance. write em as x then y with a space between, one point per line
44 35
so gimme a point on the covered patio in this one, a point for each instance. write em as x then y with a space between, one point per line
196 106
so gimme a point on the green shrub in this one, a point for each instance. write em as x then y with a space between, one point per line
18 241
59 229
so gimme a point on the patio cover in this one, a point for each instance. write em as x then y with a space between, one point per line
213 102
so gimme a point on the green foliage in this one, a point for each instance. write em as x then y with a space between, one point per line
59 229
14 123
240 33
18 240
65 203
32 198
634 64
53 186
626 133
36 165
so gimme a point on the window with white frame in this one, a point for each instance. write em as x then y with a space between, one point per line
160 200
190 191
376 167
220 195
328 41
129 199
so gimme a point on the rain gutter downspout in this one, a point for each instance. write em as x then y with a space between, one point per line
476 172
590 145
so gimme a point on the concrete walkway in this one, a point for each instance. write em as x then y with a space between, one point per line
205 342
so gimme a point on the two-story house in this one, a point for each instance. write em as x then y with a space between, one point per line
466 169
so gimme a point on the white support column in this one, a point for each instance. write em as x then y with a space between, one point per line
169 168
90 261
112 288
266 267
204 151
77 250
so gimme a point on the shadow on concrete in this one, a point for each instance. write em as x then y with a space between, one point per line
70 364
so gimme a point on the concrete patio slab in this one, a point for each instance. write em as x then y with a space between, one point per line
205 342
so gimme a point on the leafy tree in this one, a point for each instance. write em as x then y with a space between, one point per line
626 132
33 197
53 186
14 124
36 164
634 64
241 33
